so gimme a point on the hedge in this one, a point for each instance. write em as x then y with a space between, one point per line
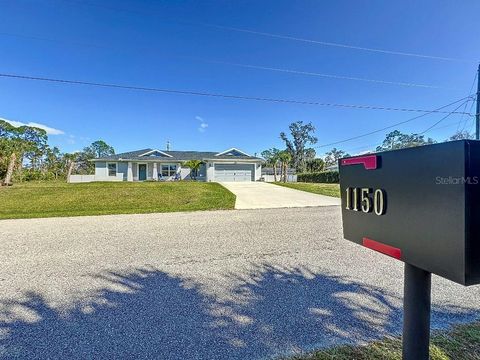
330 177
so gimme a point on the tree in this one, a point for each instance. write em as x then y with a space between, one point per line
271 159
461 135
8 134
332 157
100 149
315 165
285 158
53 161
35 144
97 149
194 166
397 140
69 161
310 154
15 144
301 137
25 154
11 165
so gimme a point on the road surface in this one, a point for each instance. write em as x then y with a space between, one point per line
247 284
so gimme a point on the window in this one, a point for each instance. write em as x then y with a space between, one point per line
169 170
112 169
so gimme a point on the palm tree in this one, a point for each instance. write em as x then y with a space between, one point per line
16 147
194 166
271 158
286 158
11 165
70 160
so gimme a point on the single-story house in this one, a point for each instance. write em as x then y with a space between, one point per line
153 164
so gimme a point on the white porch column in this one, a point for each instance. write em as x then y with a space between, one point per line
155 172
129 172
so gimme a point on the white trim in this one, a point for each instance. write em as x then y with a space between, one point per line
232 149
116 168
154 150
234 160
129 171
155 171
138 171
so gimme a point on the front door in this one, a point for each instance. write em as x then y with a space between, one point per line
142 172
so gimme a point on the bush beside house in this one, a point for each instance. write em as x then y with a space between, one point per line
329 177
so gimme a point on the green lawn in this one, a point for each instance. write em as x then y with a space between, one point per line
52 199
316 188
460 342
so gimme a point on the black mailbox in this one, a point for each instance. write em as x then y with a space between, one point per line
420 205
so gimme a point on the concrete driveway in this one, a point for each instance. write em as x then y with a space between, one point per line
260 195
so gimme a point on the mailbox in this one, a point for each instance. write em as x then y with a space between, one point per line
420 205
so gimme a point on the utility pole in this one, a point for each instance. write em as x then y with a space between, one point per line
477 114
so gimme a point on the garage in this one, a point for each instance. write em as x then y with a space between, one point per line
234 172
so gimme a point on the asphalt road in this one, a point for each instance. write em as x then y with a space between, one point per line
247 284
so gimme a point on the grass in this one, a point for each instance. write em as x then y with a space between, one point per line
460 342
316 188
53 199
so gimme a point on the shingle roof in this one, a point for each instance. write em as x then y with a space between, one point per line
175 156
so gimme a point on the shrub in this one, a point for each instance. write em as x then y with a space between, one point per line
329 177
33 175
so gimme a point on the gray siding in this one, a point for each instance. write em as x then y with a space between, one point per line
122 167
100 168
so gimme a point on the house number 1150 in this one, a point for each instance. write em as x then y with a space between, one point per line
359 199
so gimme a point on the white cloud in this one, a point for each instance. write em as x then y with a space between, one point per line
48 129
364 152
71 139
203 125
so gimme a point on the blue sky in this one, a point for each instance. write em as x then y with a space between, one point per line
171 44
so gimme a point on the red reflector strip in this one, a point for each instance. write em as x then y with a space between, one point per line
384 249
369 162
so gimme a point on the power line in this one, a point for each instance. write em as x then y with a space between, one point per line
466 104
335 44
443 118
372 147
245 66
469 110
218 95
397 124
330 76
286 37
472 128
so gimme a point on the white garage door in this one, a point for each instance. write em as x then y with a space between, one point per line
234 172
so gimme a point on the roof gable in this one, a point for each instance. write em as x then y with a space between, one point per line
155 153
232 152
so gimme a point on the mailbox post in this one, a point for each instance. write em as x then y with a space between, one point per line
420 206
416 312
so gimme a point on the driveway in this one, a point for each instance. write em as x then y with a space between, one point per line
260 195
249 284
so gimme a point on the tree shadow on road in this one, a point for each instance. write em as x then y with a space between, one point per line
148 313
289 310
144 314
